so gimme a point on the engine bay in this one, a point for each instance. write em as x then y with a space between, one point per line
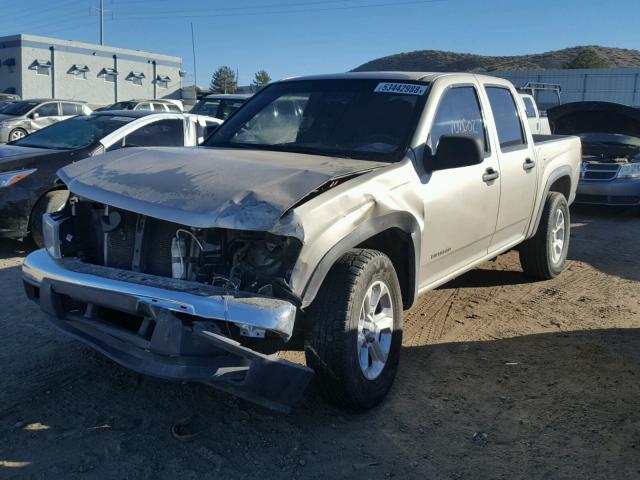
248 261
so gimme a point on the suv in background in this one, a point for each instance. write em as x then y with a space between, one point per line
26 116
220 105
157 105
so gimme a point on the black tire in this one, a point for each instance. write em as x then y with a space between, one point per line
536 255
16 134
331 330
49 202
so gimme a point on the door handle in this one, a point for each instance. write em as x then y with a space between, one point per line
490 175
528 164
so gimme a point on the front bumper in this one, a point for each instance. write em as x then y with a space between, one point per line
168 328
616 192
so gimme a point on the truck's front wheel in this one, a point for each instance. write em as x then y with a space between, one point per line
543 256
353 330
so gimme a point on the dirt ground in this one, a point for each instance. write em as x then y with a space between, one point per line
500 378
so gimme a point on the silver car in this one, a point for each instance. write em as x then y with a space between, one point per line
24 117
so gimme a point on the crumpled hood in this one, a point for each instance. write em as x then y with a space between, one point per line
594 117
203 187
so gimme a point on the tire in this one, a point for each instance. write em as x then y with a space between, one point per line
49 202
541 256
337 341
17 134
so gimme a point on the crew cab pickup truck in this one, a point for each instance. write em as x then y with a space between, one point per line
311 229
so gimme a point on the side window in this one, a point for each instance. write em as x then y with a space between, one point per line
48 110
159 107
164 133
173 108
459 114
70 109
144 106
505 114
528 107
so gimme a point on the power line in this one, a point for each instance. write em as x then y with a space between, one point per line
199 14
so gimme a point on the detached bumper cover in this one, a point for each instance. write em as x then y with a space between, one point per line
141 331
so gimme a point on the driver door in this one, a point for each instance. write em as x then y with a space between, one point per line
460 204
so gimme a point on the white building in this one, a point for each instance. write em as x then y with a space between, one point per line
42 67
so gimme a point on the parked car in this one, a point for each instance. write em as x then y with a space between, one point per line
28 166
539 124
610 135
220 105
157 105
312 232
27 116
9 97
5 104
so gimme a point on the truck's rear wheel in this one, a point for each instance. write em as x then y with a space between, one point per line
543 256
353 330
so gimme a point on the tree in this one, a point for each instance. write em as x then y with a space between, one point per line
224 80
587 58
261 79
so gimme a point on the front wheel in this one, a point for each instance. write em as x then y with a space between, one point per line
50 202
17 134
353 330
543 256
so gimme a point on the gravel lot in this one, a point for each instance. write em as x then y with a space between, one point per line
500 378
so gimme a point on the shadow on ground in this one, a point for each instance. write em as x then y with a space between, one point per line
563 405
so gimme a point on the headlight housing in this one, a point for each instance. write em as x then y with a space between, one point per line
629 170
9 178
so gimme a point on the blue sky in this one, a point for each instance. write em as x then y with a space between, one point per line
297 37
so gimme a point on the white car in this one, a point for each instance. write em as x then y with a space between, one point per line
539 124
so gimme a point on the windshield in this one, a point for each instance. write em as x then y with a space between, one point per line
19 108
123 106
76 132
362 119
216 107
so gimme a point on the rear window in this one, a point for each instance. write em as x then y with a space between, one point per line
505 114
528 107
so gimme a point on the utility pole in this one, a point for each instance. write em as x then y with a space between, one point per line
195 70
101 11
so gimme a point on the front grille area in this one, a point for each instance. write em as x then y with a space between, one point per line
600 171
151 253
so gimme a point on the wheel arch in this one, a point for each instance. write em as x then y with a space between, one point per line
558 181
397 235
56 187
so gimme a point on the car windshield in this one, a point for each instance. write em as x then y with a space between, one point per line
19 108
5 105
360 119
76 132
123 106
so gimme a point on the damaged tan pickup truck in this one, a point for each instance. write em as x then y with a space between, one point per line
310 220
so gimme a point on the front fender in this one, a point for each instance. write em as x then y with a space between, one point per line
370 227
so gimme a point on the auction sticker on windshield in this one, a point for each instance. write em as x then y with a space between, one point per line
403 88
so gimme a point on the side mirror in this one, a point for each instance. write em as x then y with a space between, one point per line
454 151
35 115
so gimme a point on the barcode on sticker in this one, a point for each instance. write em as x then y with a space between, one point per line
402 88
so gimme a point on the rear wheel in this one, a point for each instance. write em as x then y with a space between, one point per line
17 134
353 330
543 256
50 202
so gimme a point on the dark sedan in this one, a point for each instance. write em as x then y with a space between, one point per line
28 166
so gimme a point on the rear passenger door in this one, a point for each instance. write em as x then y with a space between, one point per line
70 109
518 176
460 204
